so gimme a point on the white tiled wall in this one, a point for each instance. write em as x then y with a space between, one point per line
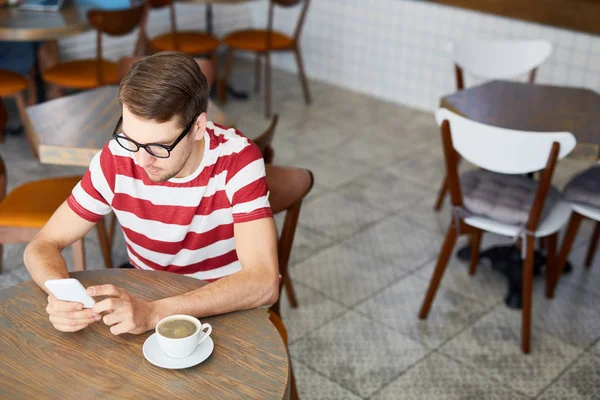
393 49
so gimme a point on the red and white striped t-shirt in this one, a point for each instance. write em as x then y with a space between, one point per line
183 225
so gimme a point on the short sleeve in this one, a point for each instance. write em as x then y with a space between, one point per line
92 196
246 186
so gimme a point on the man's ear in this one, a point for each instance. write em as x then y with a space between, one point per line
200 126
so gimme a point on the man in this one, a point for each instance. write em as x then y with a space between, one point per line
190 196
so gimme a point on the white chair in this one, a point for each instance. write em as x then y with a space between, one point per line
583 191
484 199
494 59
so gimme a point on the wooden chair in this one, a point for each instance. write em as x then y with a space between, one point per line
14 85
189 42
507 154
494 59
265 139
287 189
27 208
91 73
276 320
263 42
584 194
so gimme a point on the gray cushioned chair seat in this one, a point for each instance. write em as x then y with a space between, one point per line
585 188
503 198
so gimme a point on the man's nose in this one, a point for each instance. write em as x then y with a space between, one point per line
144 158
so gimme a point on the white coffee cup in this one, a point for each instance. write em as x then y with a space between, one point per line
183 347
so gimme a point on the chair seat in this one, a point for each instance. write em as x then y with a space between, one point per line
82 74
31 205
189 42
504 198
584 188
11 83
256 40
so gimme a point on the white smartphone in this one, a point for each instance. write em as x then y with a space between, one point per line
70 289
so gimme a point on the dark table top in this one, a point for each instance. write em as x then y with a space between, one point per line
531 107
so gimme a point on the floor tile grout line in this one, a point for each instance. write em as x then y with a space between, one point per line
483 374
310 367
403 372
585 352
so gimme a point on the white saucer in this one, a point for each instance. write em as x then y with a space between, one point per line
157 356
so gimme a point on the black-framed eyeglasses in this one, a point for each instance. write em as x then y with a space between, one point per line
154 149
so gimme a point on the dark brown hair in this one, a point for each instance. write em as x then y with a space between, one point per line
163 86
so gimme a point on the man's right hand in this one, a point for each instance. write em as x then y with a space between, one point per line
67 316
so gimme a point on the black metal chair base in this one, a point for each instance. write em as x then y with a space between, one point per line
507 261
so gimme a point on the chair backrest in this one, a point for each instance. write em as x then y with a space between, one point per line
502 150
114 23
499 59
159 3
265 139
287 188
287 3
206 66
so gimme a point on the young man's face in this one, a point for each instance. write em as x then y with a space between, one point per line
146 131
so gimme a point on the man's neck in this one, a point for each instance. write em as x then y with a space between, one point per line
194 161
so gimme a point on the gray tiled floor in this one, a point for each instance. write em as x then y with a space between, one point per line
364 252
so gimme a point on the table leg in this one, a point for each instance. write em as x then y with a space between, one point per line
507 261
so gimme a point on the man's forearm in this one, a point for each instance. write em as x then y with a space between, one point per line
220 297
44 261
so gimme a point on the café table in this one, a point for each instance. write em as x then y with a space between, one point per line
39 26
70 130
532 107
249 359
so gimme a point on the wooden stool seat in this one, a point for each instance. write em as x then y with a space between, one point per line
189 42
11 83
31 205
256 40
82 74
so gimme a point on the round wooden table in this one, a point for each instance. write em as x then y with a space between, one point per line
39 362
22 25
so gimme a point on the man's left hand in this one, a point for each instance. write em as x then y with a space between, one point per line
123 312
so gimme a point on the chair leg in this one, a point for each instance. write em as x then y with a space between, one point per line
302 74
214 56
570 235
289 290
23 116
439 202
31 89
78 255
257 70
228 65
527 295
440 267
104 243
474 245
267 85
293 390
551 263
593 246
3 119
